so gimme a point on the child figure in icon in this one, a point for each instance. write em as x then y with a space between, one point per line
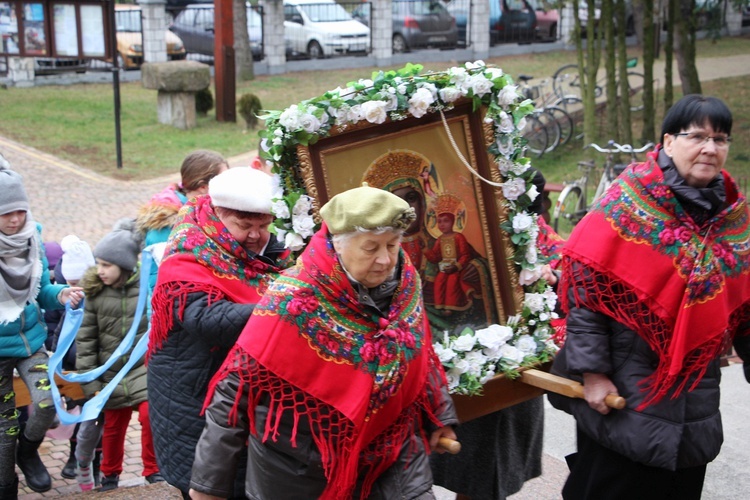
453 254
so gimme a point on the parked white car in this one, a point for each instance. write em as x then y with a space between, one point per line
322 28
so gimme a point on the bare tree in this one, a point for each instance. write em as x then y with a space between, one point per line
623 109
243 57
649 48
685 27
610 64
668 85
588 67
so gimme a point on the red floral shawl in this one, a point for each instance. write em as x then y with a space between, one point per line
202 256
640 259
371 383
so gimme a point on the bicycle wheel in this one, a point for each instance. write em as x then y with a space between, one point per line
553 129
566 83
564 121
535 134
569 209
635 84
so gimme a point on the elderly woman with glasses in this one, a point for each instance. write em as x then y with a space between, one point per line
656 282
334 379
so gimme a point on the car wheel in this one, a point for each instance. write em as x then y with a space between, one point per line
553 32
314 50
399 44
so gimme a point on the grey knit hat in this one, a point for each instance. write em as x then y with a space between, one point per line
12 194
120 247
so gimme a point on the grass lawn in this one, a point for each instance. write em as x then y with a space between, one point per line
76 122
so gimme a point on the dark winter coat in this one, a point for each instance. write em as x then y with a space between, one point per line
179 373
108 315
672 434
299 468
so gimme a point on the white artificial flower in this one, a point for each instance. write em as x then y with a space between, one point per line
521 123
513 188
309 123
519 168
303 205
529 276
391 101
461 366
511 353
526 344
401 88
304 226
280 209
487 377
493 354
505 148
479 84
429 86
494 336
522 221
280 235
450 94
294 242
354 113
493 73
476 362
533 192
374 111
420 102
340 115
454 378
277 141
507 95
366 82
463 343
264 145
445 354
457 75
504 123
278 132
290 118
531 254
478 64
550 298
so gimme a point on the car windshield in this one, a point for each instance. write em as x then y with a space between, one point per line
253 18
326 13
128 21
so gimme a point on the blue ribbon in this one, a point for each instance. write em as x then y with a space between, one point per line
71 324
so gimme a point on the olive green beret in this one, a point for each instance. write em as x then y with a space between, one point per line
367 208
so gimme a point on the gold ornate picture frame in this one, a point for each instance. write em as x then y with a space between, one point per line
419 158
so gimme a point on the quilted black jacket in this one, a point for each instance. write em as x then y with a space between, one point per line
178 377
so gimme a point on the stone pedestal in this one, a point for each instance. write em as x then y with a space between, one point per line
21 71
176 83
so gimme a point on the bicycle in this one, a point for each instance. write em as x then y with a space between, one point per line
566 82
572 204
551 104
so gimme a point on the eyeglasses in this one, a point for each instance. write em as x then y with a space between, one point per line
699 139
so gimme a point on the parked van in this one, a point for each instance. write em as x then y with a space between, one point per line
322 28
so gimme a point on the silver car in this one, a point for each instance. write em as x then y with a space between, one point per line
195 26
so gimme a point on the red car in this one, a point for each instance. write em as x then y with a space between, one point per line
547 18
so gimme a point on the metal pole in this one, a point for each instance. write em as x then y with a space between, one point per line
115 78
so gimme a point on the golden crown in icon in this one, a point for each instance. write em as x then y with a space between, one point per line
395 169
447 203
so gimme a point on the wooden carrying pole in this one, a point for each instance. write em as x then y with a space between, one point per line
564 386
